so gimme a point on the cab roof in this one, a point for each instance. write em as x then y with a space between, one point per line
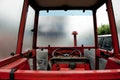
66 4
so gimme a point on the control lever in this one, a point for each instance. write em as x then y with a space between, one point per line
74 33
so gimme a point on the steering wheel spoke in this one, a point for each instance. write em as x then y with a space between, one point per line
57 53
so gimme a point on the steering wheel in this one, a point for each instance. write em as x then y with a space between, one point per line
66 52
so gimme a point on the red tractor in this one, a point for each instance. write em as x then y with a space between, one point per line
64 63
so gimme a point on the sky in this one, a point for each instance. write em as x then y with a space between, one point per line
66 13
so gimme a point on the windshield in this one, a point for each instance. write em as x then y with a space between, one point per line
55 28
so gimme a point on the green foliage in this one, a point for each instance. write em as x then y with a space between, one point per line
104 29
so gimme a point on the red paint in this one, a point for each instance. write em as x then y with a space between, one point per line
113 63
96 39
99 51
65 67
80 72
74 33
113 27
22 27
21 64
62 75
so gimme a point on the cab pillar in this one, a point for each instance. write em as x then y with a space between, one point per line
113 27
34 45
96 39
22 27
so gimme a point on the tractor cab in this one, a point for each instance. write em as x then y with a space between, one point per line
64 62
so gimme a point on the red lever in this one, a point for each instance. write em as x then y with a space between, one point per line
74 33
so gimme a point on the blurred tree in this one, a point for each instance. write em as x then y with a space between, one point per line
104 29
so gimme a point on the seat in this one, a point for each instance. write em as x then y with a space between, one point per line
69 63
